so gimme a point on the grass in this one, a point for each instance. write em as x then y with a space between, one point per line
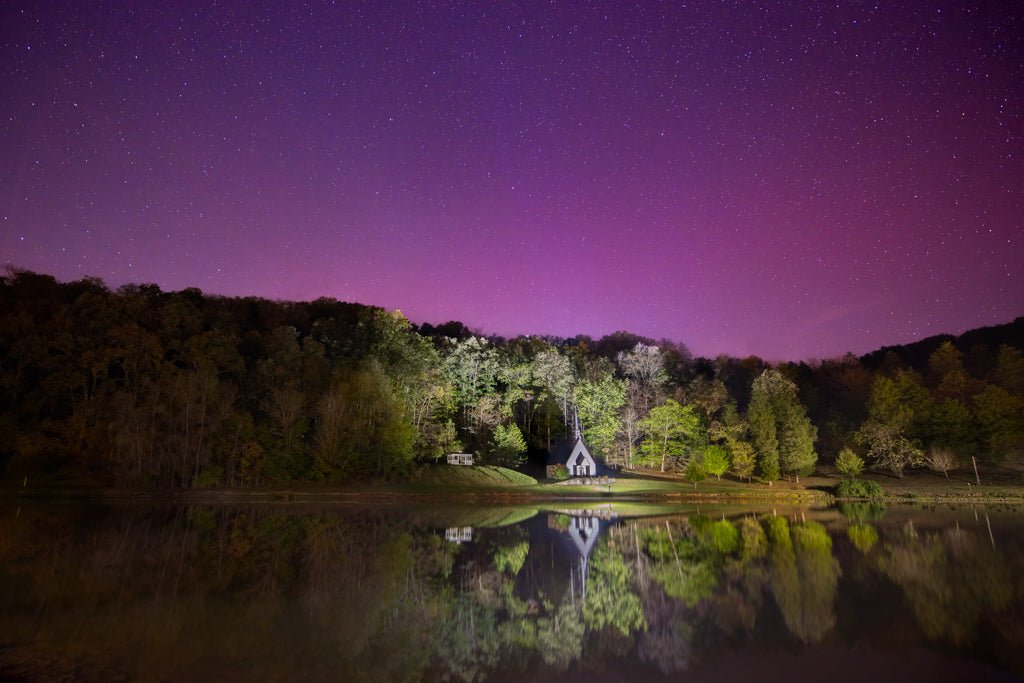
998 483
474 515
634 485
476 476
442 484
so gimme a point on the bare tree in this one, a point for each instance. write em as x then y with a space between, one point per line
645 367
942 460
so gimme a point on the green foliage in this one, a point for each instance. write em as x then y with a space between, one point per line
949 425
863 536
858 488
1009 373
888 449
755 543
559 472
862 512
472 368
670 432
688 581
716 460
560 636
510 559
763 432
948 586
743 459
804 577
999 416
598 403
363 428
476 476
695 472
610 601
687 563
507 446
146 388
849 463
782 433
723 537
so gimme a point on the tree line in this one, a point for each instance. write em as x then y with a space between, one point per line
183 389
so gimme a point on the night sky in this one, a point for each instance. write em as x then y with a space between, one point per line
794 180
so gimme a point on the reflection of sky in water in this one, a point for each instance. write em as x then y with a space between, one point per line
219 594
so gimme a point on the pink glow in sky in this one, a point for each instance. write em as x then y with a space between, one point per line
788 179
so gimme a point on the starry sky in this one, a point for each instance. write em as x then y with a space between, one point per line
793 180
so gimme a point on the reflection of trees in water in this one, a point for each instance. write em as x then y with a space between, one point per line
611 601
667 642
950 579
560 636
205 594
804 576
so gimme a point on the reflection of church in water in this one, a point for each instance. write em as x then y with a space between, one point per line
580 538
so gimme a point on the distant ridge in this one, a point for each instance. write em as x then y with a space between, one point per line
915 354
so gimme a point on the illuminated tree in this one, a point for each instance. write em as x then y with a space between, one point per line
671 431
598 403
743 460
942 460
507 446
849 463
716 460
782 434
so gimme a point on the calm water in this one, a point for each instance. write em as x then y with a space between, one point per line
510 594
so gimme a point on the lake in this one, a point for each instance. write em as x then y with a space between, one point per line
408 593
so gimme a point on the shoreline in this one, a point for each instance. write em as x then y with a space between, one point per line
383 495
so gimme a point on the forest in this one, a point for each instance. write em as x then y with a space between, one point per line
138 387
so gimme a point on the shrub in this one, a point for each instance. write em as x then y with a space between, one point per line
849 463
858 488
559 472
695 472
861 512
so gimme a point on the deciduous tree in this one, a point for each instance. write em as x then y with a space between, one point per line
671 433
782 434
598 402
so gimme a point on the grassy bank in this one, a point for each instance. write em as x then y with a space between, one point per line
440 484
